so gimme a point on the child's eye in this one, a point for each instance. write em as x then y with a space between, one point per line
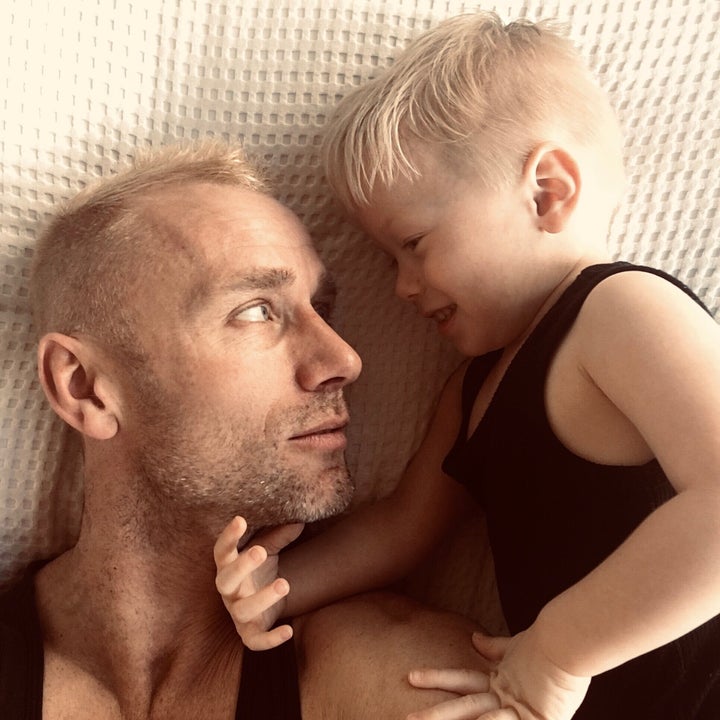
260 312
412 243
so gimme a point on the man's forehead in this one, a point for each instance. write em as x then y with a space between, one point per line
202 219
193 210
217 238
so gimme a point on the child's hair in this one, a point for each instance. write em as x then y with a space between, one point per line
485 93
88 255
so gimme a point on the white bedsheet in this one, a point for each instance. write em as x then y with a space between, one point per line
83 84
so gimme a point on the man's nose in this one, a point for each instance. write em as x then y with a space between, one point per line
327 361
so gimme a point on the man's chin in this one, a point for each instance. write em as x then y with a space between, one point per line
337 499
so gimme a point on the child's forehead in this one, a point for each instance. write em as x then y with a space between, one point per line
409 198
427 162
444 166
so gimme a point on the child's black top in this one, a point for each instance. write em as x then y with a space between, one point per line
553 516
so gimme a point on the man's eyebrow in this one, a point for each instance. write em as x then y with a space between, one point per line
260 279
256 278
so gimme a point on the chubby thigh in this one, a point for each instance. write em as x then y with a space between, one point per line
355 656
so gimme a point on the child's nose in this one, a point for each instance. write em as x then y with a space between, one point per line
407 284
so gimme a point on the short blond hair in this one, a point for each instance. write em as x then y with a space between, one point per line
482 91
96 243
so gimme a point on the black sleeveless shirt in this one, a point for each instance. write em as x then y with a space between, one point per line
553 517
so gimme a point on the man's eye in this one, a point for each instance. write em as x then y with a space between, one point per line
255 313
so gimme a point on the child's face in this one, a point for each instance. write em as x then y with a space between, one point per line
471 259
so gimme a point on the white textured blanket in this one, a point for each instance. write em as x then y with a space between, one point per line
83 84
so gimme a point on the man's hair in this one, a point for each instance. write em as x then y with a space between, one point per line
481 92
94 247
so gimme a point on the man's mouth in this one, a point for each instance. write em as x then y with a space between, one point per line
329 435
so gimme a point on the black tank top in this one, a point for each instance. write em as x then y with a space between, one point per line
553 517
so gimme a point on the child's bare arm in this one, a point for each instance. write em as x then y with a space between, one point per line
656 355
365 550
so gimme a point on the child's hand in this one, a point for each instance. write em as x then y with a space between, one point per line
248 582
525 684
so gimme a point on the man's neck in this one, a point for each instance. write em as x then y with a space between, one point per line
137 620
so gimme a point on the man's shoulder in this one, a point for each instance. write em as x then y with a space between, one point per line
355 655
379 612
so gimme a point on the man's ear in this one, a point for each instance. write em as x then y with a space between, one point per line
553 177
76 385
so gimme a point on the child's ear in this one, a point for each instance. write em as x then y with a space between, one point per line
553 177
76 385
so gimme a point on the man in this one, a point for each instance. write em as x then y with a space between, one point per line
182 313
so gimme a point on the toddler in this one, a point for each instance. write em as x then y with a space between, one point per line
486 163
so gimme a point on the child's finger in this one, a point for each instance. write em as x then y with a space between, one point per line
225 548
466 707
463 682
491 648
246 609
229 579
275 539
270 639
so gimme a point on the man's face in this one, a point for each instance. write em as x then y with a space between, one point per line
240 409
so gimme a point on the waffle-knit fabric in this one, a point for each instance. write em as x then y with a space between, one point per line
83 85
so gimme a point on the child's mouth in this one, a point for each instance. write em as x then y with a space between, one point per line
443 316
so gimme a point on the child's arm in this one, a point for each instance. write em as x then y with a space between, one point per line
656 355
367 549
